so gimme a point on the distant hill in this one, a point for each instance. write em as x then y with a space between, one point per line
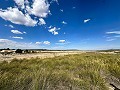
109 50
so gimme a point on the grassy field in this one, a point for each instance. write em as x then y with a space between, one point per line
88 71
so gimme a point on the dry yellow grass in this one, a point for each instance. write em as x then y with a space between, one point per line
71 72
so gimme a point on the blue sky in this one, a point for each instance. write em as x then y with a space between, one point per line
60 24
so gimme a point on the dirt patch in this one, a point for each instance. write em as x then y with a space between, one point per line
44 54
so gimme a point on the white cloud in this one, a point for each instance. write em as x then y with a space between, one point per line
42 21
61 41
87 20
11 26
40 8
46 42
112 35
21 12
117 36
61 10
20 3
17 17
16 32
54 30
73 7
111 39
24 32
50 26
26 2
113 32
55 33
38 43
16 37
54 1
6 43
30 43
43 43
63 22
4 40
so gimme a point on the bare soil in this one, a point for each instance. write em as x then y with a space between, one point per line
43 54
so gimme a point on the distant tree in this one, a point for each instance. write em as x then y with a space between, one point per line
26 51
32 51
7 48
18 51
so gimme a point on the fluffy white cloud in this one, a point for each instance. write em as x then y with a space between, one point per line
63 22
43 43
61 41
16 32
16 37
54 30
87 20
55 33
6 43
20 3
42 21
113 32
39 8
46 42
4 40
15 16
38 43
20 14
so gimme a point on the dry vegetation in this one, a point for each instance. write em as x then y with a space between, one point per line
42 54
88 71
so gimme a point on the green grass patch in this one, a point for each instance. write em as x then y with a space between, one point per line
70 72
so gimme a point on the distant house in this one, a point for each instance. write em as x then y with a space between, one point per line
116 51
5 52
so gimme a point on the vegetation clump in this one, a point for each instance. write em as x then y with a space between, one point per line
71 72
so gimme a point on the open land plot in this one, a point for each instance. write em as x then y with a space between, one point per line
86 71
42 54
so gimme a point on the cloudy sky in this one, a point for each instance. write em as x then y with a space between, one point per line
60 24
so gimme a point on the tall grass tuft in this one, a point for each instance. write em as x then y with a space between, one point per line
71 72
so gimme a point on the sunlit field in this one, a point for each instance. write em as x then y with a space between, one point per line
87 71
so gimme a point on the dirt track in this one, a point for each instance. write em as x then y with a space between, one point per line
44 54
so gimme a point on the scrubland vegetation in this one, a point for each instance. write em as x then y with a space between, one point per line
88 71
